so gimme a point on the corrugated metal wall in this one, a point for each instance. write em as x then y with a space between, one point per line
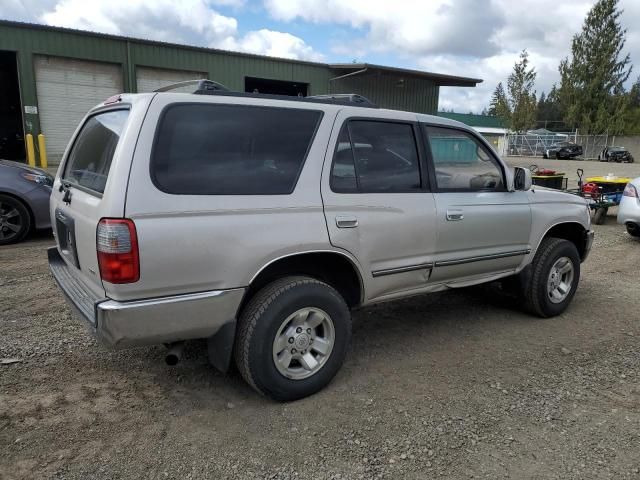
391 91
228 68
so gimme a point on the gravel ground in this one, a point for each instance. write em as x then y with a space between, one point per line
452 385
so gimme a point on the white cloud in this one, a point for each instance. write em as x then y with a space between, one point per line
404 26
275 44
193 22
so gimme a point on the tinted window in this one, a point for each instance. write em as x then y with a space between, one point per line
343 173
376 156
90 158
231 149
461 162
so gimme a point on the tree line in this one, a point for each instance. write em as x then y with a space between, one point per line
590 96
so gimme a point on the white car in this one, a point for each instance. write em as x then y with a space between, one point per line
629 209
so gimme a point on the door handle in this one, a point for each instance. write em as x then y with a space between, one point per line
454 215
343 221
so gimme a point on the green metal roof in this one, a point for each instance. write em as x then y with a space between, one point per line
474 120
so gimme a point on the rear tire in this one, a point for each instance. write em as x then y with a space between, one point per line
555 274
15 220
285 310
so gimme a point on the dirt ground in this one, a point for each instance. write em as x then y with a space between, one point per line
459 384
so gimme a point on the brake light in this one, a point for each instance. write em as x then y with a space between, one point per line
117 245
630 191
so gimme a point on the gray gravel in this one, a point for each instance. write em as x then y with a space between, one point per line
460 384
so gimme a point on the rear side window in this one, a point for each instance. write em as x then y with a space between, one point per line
92 152
205 149
375 156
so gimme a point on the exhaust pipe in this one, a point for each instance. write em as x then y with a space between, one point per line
174 354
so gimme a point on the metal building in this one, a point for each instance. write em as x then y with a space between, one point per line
50 77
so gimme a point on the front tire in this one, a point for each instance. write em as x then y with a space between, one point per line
15 220
292 338
633 229
555 274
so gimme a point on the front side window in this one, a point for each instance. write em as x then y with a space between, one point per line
461 162
375 156
209 149
90 158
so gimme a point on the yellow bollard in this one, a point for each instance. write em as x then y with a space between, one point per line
42 145
31 155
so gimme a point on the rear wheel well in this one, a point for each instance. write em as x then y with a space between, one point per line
571 231
332 268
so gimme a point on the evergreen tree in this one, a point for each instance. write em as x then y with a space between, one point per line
591 88
521 96
549 114
499 105
632 123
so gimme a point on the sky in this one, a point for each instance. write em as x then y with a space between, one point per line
474 38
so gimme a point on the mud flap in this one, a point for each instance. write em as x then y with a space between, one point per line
220 346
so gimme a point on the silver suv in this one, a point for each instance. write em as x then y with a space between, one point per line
259 223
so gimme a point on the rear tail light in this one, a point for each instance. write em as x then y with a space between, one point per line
118 250
630 191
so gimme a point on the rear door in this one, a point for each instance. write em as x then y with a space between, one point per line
483 229
377 201
77 199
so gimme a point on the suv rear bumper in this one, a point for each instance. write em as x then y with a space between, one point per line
146 322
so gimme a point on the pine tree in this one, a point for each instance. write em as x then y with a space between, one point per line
521 96
591 87
548 113
499 105
632 123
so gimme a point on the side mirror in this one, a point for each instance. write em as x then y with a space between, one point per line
522 179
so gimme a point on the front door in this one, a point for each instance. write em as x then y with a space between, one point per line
483 229
378 205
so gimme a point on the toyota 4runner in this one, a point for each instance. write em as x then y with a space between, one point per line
259 223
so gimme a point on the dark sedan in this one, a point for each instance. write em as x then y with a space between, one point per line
24 200
562 150
615 154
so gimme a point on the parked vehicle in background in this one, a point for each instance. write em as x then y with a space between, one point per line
259 222
24 200
615 154
629 208
563 150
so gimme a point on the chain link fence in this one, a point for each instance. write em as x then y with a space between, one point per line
536 145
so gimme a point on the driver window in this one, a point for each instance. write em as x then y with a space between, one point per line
374 156
461 162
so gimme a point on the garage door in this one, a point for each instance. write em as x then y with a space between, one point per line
67 89
150 79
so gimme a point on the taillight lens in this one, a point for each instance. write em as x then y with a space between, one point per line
630 191
118 250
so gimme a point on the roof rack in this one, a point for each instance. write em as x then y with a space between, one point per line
209 87
344 98
203 86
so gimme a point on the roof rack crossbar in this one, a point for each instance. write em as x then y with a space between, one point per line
202 86
345 97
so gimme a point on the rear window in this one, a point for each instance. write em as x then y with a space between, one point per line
205 149
92 152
